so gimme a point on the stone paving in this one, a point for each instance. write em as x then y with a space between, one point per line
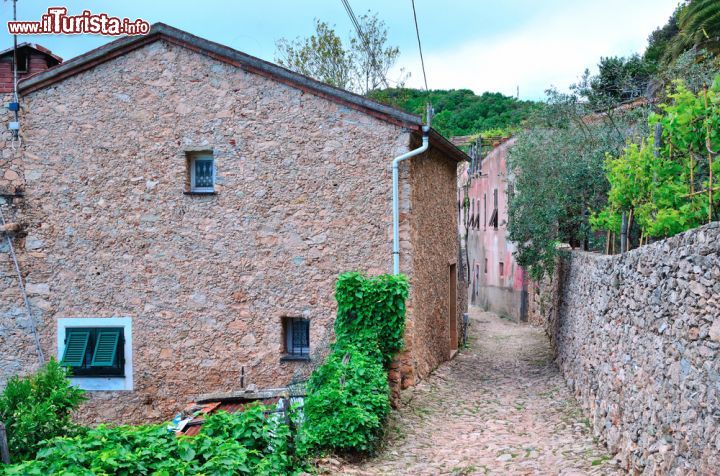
500 407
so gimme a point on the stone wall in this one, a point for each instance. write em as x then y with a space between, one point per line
303 194
638 337
434 255
17 345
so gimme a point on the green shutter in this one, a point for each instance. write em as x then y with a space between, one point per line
76 341
106 346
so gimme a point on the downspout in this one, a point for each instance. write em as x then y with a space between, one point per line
395 192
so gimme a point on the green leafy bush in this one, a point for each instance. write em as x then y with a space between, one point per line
347 402
38 407
239 443
371 312
348 396
665 188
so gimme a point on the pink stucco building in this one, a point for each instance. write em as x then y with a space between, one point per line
496 282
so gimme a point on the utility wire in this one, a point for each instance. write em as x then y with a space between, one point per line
417 31
363 39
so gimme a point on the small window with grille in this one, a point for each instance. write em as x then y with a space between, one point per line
297 338
94 351
202 174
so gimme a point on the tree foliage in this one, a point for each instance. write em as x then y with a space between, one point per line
460 111
557 162
38 407
699 27
657 184
360 64
321 56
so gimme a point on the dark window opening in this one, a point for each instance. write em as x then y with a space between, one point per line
297 338
502 268
23 61
484 210
95 351
486 263
494 216
201 173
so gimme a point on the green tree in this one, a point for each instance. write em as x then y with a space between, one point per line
321 56
361 64
668 187
699 27
558 163
460 112
619 79
38 407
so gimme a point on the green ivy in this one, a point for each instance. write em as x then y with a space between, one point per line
245 443
371 312
348 395
347 402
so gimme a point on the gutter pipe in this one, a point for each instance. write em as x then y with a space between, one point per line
395 192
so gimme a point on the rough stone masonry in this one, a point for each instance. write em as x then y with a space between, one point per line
302 194
637 337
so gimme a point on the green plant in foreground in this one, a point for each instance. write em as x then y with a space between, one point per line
246 443
38 407
348 396
347 402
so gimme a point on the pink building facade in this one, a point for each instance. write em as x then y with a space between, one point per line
496 282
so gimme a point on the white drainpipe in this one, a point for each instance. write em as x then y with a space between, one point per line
395 193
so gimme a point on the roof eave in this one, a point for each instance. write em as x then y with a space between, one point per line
440 142
222 53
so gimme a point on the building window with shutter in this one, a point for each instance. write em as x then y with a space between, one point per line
201 173
97 351
494 216
94 351
296 332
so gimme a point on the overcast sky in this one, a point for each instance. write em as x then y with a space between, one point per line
483 45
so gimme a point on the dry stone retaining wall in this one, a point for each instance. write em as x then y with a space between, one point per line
637 337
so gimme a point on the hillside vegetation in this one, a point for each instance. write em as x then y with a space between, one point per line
459 112
627 156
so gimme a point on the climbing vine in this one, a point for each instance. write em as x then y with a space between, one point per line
371 312
348 395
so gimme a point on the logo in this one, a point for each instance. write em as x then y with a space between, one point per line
57 22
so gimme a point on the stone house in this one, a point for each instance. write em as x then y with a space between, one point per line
496 282
182 212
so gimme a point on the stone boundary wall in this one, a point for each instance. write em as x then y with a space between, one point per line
637 337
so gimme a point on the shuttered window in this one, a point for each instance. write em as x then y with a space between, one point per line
106 346
94 351
76 343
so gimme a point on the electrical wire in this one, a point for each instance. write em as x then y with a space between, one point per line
21 285
417 31
364 40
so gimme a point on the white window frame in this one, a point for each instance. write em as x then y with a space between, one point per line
124 383
193 158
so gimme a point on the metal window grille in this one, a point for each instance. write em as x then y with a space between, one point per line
299 337
203 175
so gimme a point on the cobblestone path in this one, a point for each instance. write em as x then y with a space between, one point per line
500 407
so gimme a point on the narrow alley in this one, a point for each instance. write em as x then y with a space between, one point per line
500 407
